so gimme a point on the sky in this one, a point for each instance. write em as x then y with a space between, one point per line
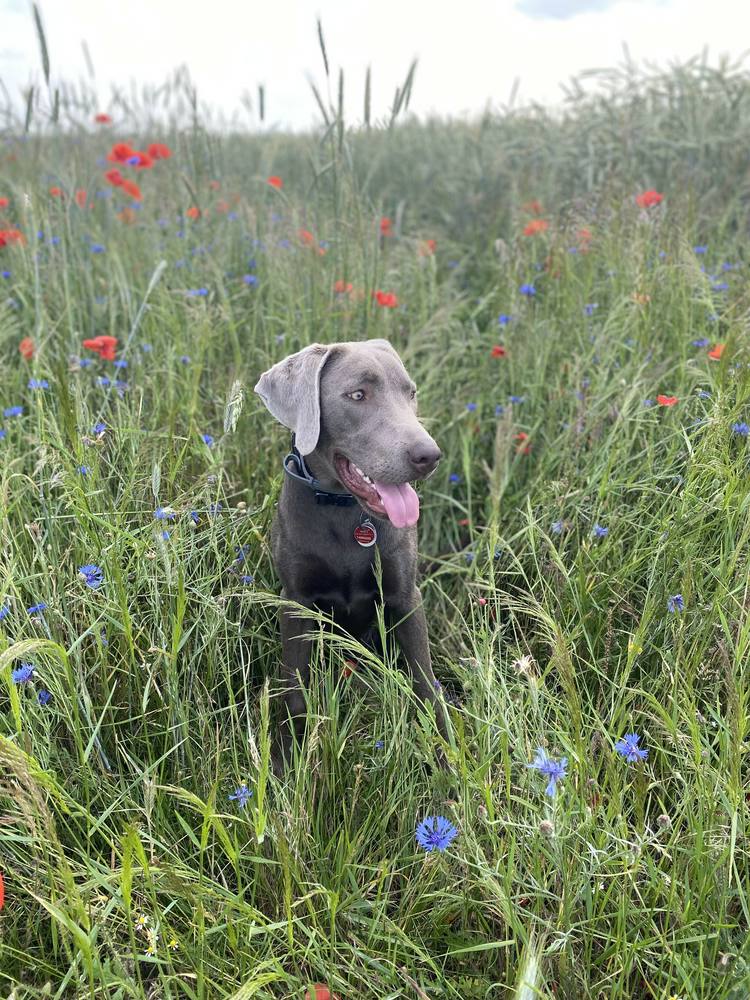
470 52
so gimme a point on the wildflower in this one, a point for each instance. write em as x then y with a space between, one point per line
700 342
38 383
120 153
427 248
140 160
498 351
386 299
340 287
547 828
523 448
44 698
250 279
114 177
716 352
26 348
454 477
56 192
648 402
83 470
103 345
599 531
97 248
158 151
164 514
386 226
552 769
104 381
92 575
197 292
535 227
80 198
629 749
534 206
193 212
275 182
503 319
142 922
185 359
556 527
499 410
173 945
436 833
8 236
471 407
36 609
590 307
4 202
700 250
719 286
247 579
4 612
207 439
22 674
379 744
194 517
666 400
241 796
516 400
741 428
649 198
102 119
13 411
214 509
121 363
675 604
132 189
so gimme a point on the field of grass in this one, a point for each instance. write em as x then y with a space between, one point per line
585 548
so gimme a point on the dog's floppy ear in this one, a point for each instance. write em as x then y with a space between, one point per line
291 392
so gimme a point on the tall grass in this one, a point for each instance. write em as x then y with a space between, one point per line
129 872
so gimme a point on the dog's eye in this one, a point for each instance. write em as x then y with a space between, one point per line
413 394
357 395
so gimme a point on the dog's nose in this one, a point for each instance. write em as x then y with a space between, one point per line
424 457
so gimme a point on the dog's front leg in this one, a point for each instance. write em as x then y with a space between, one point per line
295 668
410 626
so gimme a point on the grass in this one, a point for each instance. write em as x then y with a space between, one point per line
115 813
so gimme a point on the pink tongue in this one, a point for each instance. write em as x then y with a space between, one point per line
401 503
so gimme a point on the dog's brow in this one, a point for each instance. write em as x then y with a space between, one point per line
369 377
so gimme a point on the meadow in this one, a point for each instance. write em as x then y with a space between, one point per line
570 292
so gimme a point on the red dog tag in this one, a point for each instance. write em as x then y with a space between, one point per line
365 534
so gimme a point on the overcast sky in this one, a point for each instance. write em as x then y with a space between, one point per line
470 51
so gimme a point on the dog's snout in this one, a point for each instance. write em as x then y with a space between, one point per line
424 457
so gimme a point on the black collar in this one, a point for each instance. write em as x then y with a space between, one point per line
294 466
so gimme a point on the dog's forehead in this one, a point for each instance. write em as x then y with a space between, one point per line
373 359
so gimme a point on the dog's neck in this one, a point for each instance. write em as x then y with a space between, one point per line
327 490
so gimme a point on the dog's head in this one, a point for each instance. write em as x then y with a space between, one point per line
354 405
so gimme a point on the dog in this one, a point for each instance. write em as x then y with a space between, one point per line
357 446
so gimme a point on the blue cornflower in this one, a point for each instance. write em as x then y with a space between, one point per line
719 286
557 527
54 240
232 216
36 609
528 290
552 769
628 747
3 433
499 410
146 348
497 553
648 402
22 674
121 363
700 250
436 833
379 744
4 611
454 477
38 383
133 161
741 428
207 439
700 342
194 516
250 279
599 531
85 362
702 394
13 411
516 399
185 359
5 274
83 470
503 319
200 292
164 514
104 381
92 575
44 698
215 508
99 428
469 557
676 603
241 795
242 553
247 579
471 407
589 309
96 248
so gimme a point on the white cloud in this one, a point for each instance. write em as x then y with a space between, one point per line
469 55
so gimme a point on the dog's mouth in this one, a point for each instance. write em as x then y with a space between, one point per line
396 501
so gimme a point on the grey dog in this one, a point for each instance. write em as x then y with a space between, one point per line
356 447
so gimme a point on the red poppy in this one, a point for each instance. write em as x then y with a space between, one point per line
131 188
535 227
386 227
341 287
275 181
120 153
523 448
306 238
114 177
2 891
26 347
158 151
533 206
104 346
320 992
222 206
4 202
145 161
386 299
349 667
498 351
102 119
80 197
193 212
464 522
8 236
56 192
716 352
666 400
427 248
127 215
648 198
